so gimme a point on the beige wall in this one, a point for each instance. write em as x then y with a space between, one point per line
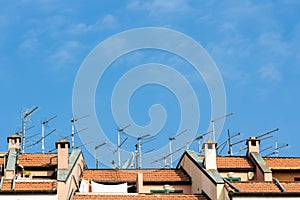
186 188
64 189
200 182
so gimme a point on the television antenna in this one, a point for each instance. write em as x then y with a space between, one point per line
120 130
164 158
198 139
213 137
276 152
20 132
40 140
72 134
43 131
24 120
32 135
73 120
171 139
139 150
96 152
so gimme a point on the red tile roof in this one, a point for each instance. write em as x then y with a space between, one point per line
283 163
80 196
233 162
167 175
30 185
161 175
38 160
291 187
257 187
109 175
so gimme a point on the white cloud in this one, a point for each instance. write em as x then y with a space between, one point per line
29 44
270 74
65 55
106 22
156 7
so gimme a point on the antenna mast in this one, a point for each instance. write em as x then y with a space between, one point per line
213 138
170 146
43 131
73 120
96 152
24 120
139 148
120 130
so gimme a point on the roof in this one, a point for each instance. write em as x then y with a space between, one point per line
256 187
233 162
31 185
291 187
38 160
283 163
161 175
158 175
80 196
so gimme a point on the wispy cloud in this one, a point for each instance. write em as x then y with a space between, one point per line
270 74
156 7
108 21
65 55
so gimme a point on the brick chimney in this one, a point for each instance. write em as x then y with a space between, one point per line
14 142
63 154
210 157
253 145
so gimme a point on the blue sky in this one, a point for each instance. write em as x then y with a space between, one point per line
255 45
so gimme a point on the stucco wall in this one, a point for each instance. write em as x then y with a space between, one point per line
285 176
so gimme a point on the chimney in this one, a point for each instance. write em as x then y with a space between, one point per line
14 142
210 157
253 145
63 154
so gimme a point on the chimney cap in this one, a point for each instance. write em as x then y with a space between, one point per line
62 141
13 136
253 138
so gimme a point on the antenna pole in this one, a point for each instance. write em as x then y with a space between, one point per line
24 119
73 132
96 152
119 149
23 133
43 137
140 152
119 144
213 125
276 149
43 132
171 157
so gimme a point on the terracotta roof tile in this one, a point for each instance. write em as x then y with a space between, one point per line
109 175
38 160
233 162
80 196
165 175
283 163
291 187
257 187
30 185
131 175
6 185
